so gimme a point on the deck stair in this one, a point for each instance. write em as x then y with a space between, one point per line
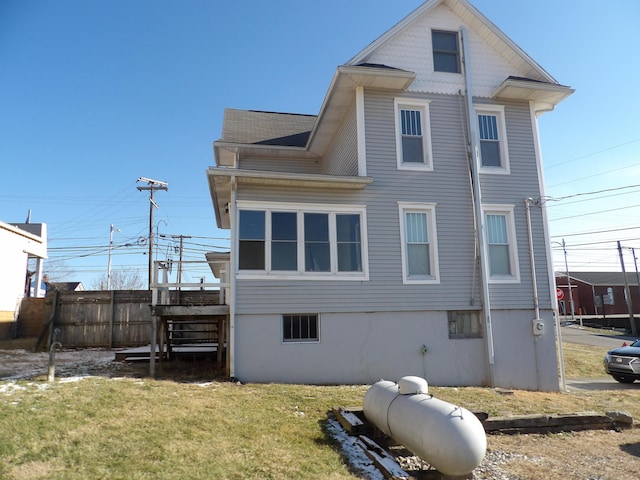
193 330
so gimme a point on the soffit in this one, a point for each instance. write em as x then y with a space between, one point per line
341 96
546 95
221 184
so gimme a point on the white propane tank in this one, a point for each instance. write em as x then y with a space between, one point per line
450 438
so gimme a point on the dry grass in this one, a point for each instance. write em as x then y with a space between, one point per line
583 361
172 427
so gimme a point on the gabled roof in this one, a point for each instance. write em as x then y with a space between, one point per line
34 236
467 12
266 128
65 286
603 279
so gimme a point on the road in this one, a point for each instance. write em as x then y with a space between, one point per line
575 334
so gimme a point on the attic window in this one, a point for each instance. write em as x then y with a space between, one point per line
446 53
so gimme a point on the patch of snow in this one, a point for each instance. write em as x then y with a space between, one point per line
10 388
353 454
71 379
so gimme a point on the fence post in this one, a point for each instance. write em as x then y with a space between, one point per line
111 317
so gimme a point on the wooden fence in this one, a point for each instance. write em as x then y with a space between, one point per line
107 318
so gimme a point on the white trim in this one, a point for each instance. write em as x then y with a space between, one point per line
300 210
508 212
429 209
498 111
423 106
360 126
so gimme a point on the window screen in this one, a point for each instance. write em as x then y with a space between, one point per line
446 56
489 140
498 242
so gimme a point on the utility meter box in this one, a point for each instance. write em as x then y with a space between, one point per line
538 327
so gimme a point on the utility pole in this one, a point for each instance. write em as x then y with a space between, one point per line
566 267
179 274
635 262
152 186
627 293
111 230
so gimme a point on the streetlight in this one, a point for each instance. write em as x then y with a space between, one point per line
111 230
566 268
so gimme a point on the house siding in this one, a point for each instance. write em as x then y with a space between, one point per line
513 189
272 164
342 156
449 187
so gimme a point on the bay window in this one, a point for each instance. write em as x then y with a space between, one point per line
309 241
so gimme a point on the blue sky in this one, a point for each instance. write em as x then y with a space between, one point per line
94 94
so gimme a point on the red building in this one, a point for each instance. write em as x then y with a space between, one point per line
598 294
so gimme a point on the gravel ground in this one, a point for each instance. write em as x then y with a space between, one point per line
489 469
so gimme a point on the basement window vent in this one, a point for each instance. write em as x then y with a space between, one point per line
300 327
465 324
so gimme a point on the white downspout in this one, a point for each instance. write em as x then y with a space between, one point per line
547 244
233 267
362 142
534 281
477 193
532 259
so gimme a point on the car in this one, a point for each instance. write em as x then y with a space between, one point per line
623 363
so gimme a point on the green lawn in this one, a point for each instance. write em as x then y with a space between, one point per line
138 428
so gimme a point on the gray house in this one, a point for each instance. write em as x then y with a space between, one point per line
395 233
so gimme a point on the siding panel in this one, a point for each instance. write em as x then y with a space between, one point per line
342 156
448 185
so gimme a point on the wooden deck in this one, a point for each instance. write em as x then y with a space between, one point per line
192 351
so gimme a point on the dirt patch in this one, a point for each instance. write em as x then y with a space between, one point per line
18 361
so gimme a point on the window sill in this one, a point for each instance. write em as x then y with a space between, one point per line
333 277
494 171
421 281
504 279
422 167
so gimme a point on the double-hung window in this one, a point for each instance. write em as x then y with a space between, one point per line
413 134
418 243
302 241
284 239
251 240
493 139
446 51
501 243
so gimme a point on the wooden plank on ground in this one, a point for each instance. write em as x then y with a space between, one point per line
382 460
351 421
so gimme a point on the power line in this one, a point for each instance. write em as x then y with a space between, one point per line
598 174
558 199
593 153
595 232
593 213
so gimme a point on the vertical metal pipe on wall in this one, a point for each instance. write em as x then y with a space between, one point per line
477 194
532 258
233 267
